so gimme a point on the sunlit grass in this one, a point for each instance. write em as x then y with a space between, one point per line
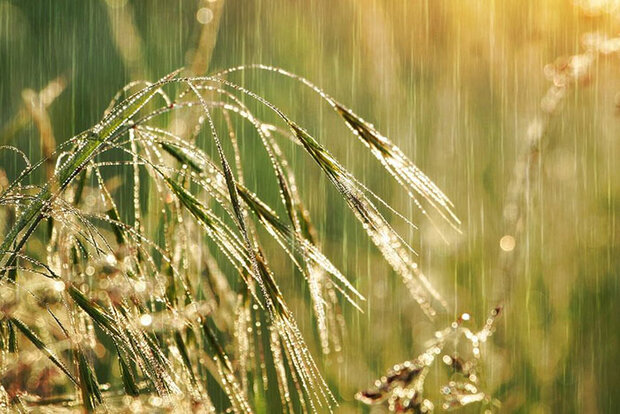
223 242
140 291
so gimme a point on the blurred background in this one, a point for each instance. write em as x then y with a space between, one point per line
482 95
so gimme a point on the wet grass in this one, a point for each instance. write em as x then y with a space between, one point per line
143 289
244 242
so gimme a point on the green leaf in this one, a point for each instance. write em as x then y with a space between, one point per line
37 342
91 394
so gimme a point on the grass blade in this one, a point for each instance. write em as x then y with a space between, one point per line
37 342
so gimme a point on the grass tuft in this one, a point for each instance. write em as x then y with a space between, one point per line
156 287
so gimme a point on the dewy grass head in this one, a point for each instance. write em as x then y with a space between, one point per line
136 286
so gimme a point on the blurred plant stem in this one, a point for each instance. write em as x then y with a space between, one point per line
127 38
34 104
566 74
201 57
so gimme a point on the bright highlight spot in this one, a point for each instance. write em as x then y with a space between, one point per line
597 7
204 15
59 285
507 243
140 286
146 320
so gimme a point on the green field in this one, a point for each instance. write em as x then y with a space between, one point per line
302 206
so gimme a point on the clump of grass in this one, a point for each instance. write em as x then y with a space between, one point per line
157 292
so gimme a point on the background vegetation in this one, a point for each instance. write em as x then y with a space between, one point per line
463 89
